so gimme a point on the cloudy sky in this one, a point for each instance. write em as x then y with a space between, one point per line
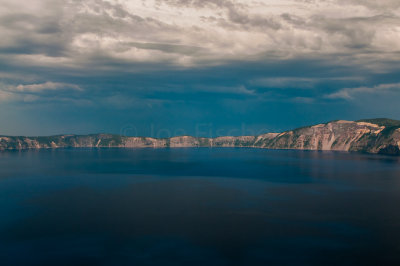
200 67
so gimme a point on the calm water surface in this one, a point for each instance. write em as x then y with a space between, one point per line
198 207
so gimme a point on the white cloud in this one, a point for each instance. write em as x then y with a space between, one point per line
47 86
35 92
4 96
297 82
285 82
351 93
193 32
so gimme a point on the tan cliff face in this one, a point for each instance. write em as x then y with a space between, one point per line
137 142
354 136
336 136
184 141
242 141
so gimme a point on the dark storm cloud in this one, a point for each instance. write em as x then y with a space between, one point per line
32 34
222 61
358 32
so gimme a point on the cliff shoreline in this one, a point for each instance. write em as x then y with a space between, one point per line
381 136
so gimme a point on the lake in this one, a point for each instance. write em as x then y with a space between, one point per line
198 206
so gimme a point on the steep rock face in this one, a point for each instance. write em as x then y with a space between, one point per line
264 141
242 141
184 141
387 142
141 142
372 136
62 141
337 136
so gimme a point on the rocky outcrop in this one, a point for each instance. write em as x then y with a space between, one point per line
372 136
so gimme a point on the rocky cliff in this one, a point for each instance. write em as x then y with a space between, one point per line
372 136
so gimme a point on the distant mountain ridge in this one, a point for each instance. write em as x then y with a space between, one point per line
370 135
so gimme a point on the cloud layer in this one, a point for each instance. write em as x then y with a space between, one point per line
193 32
170 55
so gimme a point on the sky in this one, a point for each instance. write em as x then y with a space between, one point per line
162 68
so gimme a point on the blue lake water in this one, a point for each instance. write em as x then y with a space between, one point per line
198 206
